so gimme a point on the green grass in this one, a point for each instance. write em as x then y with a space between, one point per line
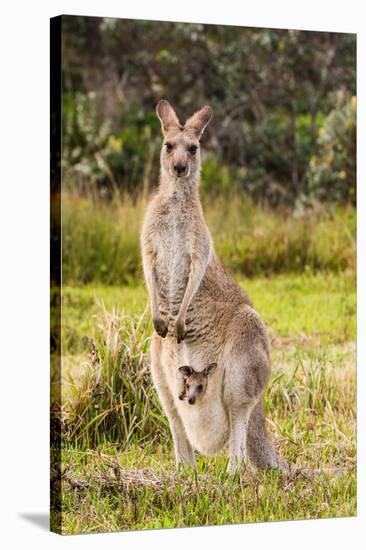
117 458
101 240
317 306
97 498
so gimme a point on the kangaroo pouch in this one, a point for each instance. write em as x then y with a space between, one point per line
206 424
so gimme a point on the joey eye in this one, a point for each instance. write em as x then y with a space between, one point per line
168 147
192 149
200 387
187 386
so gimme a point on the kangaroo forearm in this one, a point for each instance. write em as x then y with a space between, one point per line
197 271
152 283
154 302
155 293
159 323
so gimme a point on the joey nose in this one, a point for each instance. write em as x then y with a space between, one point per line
191 400
180 169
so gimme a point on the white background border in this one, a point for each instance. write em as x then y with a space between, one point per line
24 246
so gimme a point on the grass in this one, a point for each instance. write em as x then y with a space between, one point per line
101 240
319 306
117 467
102 495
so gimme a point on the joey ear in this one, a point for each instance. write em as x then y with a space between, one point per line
199 120
210 369
185 371
167 116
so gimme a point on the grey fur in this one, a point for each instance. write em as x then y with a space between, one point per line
201 315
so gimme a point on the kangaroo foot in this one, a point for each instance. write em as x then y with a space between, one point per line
235 464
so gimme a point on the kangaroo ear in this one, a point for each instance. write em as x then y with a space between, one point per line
209 370
167 116
199 120
185 371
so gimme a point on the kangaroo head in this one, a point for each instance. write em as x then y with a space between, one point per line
180 153
196 382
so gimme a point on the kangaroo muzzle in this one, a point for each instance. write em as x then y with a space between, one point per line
180 170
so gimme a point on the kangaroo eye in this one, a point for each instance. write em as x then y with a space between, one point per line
192 149
168 147
187 386
200 387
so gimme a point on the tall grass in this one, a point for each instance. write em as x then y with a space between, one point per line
101 240
114 399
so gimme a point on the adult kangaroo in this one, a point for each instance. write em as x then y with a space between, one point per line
201 315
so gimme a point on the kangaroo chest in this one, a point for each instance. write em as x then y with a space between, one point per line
172 244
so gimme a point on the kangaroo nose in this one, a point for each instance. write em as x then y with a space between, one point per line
179 169
191 400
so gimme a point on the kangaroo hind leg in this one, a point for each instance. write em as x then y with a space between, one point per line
260 449
239 420
246 376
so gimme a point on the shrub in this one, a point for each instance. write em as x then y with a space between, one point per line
332 173
104 155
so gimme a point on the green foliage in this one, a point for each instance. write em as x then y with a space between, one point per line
100 152
85 137
332 173
101 240
270 90
217 179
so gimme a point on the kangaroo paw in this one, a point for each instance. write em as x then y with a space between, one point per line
180 330
160 326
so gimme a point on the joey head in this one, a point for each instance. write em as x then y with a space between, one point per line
194 383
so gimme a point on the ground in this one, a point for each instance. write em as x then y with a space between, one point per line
123 477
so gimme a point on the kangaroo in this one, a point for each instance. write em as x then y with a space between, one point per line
194 384
200 314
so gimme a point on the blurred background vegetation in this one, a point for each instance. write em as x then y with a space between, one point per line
279 158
